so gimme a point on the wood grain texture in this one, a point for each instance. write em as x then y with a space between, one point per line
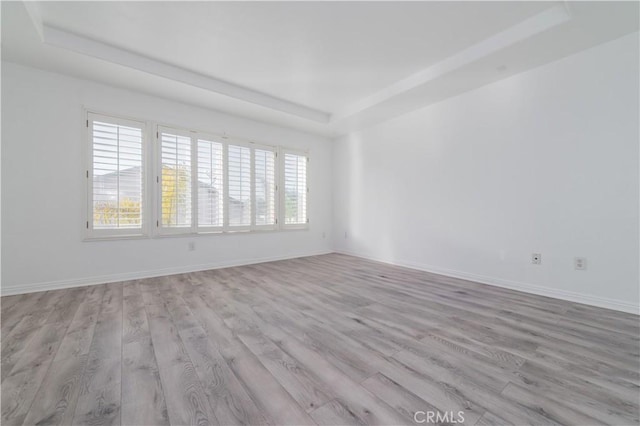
100 397
35 360
143 401
322 340
184 394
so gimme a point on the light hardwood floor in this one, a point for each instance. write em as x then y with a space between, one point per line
320 340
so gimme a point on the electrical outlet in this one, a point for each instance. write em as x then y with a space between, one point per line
536 258
345 235
191 246
580 263
324 235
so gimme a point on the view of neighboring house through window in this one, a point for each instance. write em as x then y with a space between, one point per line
116 175
210 184
203 183
295 189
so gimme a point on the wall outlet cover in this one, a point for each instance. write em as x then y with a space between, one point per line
580 263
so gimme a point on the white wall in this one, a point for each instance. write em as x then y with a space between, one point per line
43 188
545 161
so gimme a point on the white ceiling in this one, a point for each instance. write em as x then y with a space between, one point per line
323 67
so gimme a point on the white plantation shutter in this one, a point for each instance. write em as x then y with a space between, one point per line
175 179
116 176
239 186
295 188
204 183
265 186
210 184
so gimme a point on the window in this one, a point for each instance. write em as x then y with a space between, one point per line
295 188
239 186
210 185
115 177
204 183
175 181
265 187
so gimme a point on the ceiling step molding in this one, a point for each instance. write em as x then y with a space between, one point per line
86 46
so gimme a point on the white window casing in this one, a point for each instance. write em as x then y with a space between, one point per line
295 189
174 178
117 202
204 183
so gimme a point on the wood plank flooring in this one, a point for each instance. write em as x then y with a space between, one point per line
326 340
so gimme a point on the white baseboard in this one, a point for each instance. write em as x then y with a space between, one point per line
570 296
498 282
127 276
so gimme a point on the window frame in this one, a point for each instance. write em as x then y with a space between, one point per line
227 228
223 141
178 230
282 198
276 179
90 233
151 175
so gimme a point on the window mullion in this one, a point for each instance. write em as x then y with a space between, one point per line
194 183
225 184
118 175
281 191
115 145
252 187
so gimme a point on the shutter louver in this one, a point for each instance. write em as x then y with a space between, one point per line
265 187
210 184
295 189
239 185
116 175
175 179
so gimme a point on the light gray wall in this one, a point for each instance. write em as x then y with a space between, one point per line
542 162
43 189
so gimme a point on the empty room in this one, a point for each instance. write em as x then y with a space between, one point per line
320 213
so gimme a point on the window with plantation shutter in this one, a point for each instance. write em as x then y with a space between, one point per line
115 176
210 185
202 183
295 188
265 187
175 180
239 186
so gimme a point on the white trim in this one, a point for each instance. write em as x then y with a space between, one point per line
161 229
89 47
283 223
225 186
246 145
91 234
276 193
569 296
524 30
127 276
211 139
152 188
33 10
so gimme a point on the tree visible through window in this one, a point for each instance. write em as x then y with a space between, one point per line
203 183
175 180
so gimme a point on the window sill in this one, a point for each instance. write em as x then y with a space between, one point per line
290 228
230 232
115 237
